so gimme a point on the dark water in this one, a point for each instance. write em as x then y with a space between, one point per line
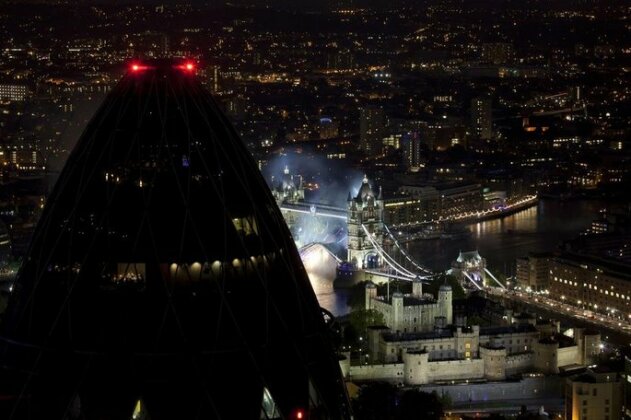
500 241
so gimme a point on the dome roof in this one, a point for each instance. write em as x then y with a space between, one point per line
162 271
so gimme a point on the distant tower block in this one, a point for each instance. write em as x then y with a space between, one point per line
365 209
482 117
371 129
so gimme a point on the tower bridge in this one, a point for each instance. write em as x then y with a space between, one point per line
373 251
372 248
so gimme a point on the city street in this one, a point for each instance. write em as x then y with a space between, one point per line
617 326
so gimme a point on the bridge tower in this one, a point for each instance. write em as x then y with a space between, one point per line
288 189
365 209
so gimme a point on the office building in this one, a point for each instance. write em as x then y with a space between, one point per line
371 129
161 280
482 117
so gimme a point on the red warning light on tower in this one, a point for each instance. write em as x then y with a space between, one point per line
299 414
187 66
137 67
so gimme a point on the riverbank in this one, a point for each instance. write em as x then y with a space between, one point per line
509 209
453 227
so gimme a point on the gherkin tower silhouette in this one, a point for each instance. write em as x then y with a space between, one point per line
162 281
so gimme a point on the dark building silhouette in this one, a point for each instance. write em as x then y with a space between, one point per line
162 281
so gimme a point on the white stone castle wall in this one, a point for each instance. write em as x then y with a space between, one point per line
568 356
520 363
455 370
392 372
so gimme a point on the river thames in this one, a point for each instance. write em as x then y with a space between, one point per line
537 229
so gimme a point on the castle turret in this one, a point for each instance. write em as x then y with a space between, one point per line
370 293
397 311
546 356
417 288
416 366
588 342
374 338
494 358
445 302
467 341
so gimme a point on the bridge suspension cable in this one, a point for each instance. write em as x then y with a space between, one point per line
405 254
475 283
493 277
387 258
395 276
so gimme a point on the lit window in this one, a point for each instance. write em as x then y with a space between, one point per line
246 225
130 272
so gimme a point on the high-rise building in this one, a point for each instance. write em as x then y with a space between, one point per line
413 151
162 281
214 78
371 129
591 281
328 128
533 271
165 43
13 92
482 117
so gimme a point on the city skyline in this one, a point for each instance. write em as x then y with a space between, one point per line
422 207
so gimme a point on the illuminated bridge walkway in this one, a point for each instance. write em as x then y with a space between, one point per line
315 210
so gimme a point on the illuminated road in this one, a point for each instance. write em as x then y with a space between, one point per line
527 201
505 407
618 330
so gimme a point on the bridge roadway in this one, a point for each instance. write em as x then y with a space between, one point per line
388 271
613 330
315 209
